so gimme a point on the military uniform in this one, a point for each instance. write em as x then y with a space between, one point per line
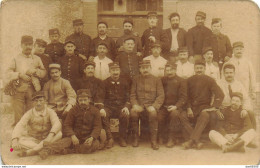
111 46
138 45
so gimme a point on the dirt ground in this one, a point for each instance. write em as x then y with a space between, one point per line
117 155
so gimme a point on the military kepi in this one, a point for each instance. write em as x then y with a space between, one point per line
54 31
206 49
113 65
54 66
27 39
87 63
200 62
152 13
38 95
182 49
77 22
202 14
41 42
83 93
238 44
145 63
171 64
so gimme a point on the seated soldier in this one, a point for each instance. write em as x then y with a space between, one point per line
38 125
233 132
82 128
117 105
60 95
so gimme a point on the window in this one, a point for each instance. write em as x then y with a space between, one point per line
148 5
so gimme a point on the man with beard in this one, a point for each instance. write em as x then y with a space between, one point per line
82 41
82 129
71 64
157 61
41 124
200 89
146 97
176 36
55 49
212 69
128 25
175 90
103 38
154 34
229 84
220 43
102 61
24 68
39 49
233 132
185 69
59 93
117 100
196 36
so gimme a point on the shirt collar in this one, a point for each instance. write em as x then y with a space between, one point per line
26 56
103 38
40 113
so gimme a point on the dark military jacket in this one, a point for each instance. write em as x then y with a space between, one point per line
175 90
83 43
117 93
72 68
129 63
195 39
160 37
147 91
221 46
138 45
55 51
83 122
111 47
46 60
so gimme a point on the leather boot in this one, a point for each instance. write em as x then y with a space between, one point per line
154 143
170 142
122 142
235 146
188 144
135 140
110 143
160 140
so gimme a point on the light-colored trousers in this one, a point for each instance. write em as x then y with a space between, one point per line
220 140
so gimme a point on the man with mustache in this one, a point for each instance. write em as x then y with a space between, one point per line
117 100
59 93
102 61
233 132
154 34
185 69
41 124
103 38
55 49
176 36
157 61
82 129
196 36
146 98
200 110
71 64
212 69
24 67
220 43
128 25
82 41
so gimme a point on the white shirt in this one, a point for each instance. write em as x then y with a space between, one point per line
157 64
175 44
212 71
185 70
102 68
244 73
236 86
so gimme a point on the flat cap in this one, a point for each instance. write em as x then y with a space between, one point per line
202 14
38 94
129 20
238 44
145 63
152 13
83 93
200 62
41 42
27 39
156 45
182 49
103 43
171 64
206 49
87 63
129 38
215 20
77 22
54 31
54 66
173 15
113 65
103 22
237 94
69 41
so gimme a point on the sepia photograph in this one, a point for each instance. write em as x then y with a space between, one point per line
129 82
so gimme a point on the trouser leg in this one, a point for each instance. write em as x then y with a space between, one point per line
162 116
28 98
252 118
187 126
106 126
135 122
28 142
174 123
217 138
153 125
123 125
18 106
248 136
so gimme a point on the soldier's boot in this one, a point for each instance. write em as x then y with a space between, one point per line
122 142
188 144
170 142
154 143
199 145
239 144
110 143
103 138
160 140
135 142
44 153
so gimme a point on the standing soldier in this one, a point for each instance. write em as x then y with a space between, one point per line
103 38
82 41
185 69
146 97
212 69
128 25
176 35
39 48
28 69
117 100
220 43
55 49
154 34
71 64
175 91
196 36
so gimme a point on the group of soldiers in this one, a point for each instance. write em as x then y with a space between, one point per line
176 84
